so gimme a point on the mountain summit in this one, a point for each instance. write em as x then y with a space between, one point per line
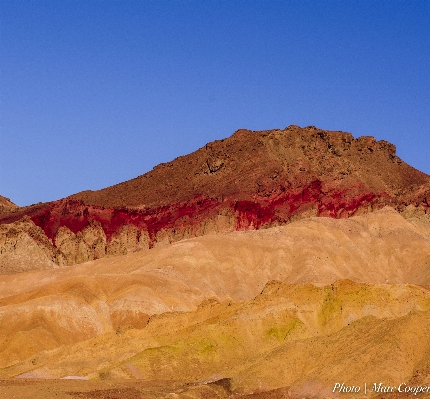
264 165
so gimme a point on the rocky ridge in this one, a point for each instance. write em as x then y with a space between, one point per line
24 246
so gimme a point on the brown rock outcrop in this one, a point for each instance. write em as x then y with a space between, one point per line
259 164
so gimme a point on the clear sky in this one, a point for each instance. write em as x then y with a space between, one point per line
94 93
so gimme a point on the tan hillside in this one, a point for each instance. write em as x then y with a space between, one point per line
380 247
298 337
205 311
24 246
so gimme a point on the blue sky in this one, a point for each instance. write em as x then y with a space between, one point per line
98 92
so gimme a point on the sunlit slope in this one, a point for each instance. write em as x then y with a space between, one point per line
45 309
379 247
289 335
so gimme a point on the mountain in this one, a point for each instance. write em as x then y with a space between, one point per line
251 180
269 167
280 263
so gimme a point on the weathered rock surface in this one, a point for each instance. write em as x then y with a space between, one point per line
24 246
263 166
251 180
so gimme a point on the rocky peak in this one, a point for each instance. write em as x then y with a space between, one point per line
6 205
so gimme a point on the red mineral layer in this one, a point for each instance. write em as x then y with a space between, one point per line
254 214
252 179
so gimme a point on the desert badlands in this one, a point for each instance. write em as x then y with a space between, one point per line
288 263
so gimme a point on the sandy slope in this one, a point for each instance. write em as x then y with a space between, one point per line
379 247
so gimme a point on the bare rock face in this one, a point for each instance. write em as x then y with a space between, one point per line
127 239
90 243
251 180
73 246
24 246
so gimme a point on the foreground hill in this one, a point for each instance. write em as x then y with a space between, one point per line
251 180
299 339
207 309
